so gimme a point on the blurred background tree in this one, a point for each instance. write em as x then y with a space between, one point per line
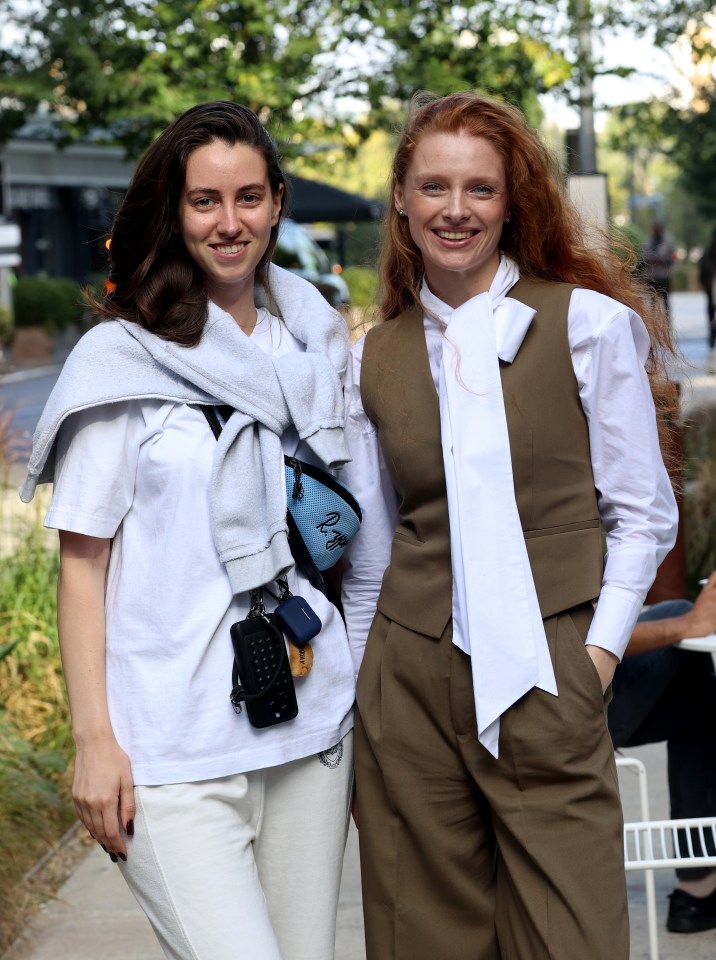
121 69
331 78
692 130
695 151
661 154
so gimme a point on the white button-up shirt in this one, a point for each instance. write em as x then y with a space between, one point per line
609 346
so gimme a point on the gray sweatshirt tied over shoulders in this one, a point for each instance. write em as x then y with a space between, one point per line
119 360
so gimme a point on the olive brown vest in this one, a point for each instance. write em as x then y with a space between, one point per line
551 465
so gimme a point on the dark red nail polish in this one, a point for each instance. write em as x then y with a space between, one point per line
123 857
114 858
104 848
130 828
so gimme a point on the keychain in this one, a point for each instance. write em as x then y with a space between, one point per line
300 625
301 659
298 620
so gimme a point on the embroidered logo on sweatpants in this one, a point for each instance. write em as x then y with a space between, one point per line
332 758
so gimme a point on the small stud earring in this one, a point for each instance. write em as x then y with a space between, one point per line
507 220
401 212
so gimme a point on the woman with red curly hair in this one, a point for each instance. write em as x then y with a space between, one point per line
499 419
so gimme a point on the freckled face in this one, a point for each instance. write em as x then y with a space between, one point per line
455 198
225 215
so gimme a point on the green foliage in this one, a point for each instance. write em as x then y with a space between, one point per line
441 47
121 70
34 812
28 786
363 285
133 65
632 154
51 302
35 744
635 127
700 496
350 163
694 150
7 326
33 694
646 153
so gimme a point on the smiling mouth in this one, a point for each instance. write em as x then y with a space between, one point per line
455 234
229 248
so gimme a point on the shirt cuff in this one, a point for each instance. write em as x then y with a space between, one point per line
614 620
359 606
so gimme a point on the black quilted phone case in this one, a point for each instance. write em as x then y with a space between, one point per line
260 651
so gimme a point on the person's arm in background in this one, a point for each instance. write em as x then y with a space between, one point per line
699 621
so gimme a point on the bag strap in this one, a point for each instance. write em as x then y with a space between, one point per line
213 419
296 543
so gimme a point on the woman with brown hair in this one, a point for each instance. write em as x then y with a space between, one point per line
498 419
230 832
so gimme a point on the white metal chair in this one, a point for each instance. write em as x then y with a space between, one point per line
653 844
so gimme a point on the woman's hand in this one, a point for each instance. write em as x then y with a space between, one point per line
701 619
103 793
605 663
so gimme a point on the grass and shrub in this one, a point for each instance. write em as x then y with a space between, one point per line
7 327
363 285
53 303
35 739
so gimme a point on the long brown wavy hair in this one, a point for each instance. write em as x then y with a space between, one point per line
153 279
545 235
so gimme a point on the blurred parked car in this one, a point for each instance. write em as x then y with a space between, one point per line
297 251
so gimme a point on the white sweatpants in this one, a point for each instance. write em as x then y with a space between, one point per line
246 866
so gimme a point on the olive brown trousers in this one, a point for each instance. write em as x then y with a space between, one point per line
468 857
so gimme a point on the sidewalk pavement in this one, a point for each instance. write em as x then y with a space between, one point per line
94 917
688 320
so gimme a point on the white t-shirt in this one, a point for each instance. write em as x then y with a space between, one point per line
138 472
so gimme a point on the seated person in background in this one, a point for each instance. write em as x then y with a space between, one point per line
663 693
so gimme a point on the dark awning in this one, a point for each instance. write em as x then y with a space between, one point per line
312 201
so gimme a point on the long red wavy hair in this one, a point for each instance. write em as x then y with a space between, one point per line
545 235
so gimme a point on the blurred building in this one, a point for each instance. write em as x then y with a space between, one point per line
64 200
